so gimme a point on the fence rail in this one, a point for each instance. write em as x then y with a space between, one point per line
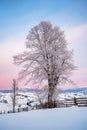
73 101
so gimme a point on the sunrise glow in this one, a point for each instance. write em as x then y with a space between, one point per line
18 16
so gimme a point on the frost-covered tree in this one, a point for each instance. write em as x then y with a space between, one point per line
14 94
46 58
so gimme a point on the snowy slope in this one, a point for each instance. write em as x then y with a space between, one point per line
32 99
21 102
72 118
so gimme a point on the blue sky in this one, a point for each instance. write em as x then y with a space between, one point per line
18 16
20 13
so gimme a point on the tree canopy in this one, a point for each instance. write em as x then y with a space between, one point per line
47 56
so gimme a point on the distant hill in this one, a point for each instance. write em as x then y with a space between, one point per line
82 90
6 91
76 90
20 90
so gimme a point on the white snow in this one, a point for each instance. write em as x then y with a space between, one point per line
21 101
5 107
24 97
73 118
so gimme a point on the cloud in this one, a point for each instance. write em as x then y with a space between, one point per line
77 34
77 39
10 47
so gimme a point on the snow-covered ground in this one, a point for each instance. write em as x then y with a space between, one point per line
73 118
21 102
30 99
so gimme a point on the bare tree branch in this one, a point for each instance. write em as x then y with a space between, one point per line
47 57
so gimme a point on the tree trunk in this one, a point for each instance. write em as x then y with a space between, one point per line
50 96
52 85
14 105
13 109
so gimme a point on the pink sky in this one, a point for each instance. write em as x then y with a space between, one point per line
10 47
18 17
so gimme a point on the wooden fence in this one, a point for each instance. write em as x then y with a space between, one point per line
72 101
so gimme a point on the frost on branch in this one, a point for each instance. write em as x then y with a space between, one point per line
46 58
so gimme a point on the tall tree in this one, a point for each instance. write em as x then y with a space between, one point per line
46 58
14 93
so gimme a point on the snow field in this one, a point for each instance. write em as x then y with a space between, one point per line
73 118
